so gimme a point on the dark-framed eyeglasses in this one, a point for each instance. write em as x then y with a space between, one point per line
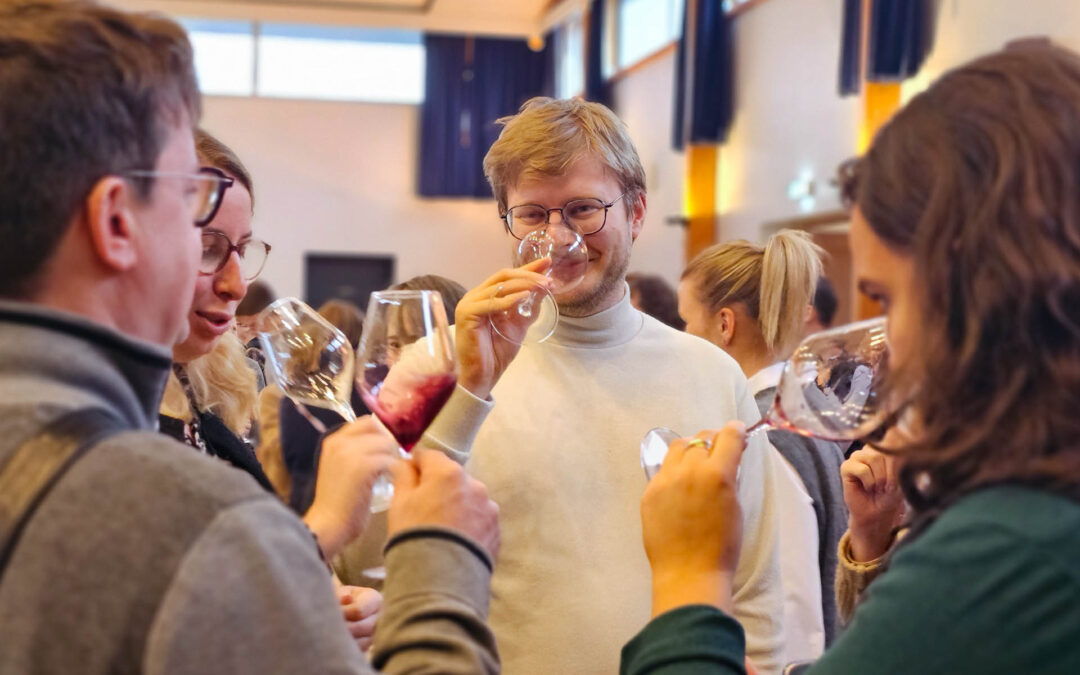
217 248
587 216
203 191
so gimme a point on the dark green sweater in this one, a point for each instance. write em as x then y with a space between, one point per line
992 587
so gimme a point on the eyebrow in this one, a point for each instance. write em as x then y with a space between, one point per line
243 237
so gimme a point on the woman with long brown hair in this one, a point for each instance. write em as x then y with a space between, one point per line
966 228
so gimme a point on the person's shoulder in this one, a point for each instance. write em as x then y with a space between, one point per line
145 464
1037 515
683 345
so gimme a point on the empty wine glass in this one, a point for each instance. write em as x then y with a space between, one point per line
829 389
310 359
406 367
535 318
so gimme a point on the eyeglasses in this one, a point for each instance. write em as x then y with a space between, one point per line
588 216
217 248
204 190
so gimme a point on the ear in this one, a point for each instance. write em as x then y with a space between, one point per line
725 320
637 216
110 222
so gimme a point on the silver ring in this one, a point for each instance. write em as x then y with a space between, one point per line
699 442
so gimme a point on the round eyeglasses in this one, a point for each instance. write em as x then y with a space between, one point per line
217 248
204 190
587 216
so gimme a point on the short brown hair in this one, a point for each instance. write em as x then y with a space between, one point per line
977 179
212 152
548 135
85 91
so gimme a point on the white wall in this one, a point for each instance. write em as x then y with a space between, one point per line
340 177
789 117
969 28
643 100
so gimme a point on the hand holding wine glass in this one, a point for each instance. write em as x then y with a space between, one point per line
691 521
482 353
352 458
535 317
829 389
434 490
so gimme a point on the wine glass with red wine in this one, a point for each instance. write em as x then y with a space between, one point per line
406 366
829 389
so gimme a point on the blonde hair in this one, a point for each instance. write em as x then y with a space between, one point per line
775 283
223 384
548 135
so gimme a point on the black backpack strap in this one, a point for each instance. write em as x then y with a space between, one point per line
28 476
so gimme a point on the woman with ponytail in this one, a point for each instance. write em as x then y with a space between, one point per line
753 302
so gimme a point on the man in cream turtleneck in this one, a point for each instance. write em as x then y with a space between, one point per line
555 434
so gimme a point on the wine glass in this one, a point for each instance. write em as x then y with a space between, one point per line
406 367
310 359
535 318
829 389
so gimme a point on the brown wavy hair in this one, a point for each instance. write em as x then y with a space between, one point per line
978 181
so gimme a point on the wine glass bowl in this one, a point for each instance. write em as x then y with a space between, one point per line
308 357
831 386
406 367
535 318
566 249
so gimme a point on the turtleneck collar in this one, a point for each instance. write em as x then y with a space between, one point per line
611 327
50 357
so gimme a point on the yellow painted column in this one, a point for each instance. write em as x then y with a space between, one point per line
699 198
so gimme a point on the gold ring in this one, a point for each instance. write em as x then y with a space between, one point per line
699 442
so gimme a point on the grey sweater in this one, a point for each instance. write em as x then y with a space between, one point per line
818 465
150 557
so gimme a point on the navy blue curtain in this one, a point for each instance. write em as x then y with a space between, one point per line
851 49
470 83
597 88
901 34
704 103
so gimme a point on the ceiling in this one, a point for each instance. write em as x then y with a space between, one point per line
499 17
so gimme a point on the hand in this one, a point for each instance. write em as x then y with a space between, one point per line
691 521
350 460
433 490
874 500
360 607
482 354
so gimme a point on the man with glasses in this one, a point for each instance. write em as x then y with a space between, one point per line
135 553
556 440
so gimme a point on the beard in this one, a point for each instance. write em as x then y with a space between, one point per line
586 302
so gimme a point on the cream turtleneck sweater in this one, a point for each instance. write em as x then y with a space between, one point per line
559 451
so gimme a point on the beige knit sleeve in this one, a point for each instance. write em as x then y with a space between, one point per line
852 578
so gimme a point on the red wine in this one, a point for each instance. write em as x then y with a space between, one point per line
409 416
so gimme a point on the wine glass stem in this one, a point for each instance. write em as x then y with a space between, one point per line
762 425
346 412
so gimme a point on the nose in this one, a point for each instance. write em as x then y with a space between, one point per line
551 217
229 282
